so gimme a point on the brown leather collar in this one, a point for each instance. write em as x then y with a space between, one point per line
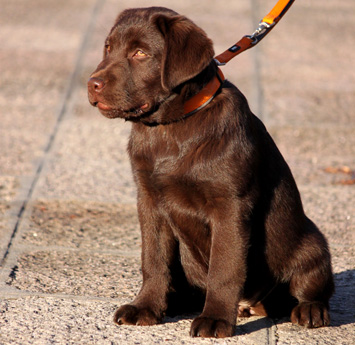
205 96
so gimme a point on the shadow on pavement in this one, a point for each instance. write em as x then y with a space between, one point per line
342 305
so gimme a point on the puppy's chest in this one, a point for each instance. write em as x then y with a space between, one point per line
174 173
181 168
176 177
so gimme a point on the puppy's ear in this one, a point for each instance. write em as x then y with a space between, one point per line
187 50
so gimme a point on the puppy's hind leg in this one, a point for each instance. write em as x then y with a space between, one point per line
312 283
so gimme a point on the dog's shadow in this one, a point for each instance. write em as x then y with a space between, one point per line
342 304
342 307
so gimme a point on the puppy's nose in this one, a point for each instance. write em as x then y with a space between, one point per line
96 84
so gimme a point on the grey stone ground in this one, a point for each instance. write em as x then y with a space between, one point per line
69 239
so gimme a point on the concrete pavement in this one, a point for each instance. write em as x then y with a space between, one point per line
69 237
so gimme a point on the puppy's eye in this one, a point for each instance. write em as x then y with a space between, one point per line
139 54
108 49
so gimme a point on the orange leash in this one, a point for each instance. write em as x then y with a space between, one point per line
206 95
265 26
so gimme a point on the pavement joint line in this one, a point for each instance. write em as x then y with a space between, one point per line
9 293
274 333
60 115
271 333
38 248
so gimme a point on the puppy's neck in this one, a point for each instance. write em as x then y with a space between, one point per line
179 105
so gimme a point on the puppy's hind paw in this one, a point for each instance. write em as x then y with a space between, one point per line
310 315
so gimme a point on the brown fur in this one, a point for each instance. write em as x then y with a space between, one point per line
221 217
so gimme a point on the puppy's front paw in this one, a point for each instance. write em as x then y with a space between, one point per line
211 328
131 315
310 315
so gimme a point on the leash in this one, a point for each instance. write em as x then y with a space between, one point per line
265 26
206 95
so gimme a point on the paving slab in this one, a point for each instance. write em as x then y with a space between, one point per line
77 273
331 208
83 225
89 160
316 154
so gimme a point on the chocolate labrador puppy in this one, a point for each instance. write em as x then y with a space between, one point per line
221 217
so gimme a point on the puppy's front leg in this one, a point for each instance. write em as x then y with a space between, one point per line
226 277
157 252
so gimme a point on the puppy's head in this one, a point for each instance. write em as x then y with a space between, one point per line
148 53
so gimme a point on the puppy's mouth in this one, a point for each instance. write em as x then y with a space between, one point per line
103 106
110 112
